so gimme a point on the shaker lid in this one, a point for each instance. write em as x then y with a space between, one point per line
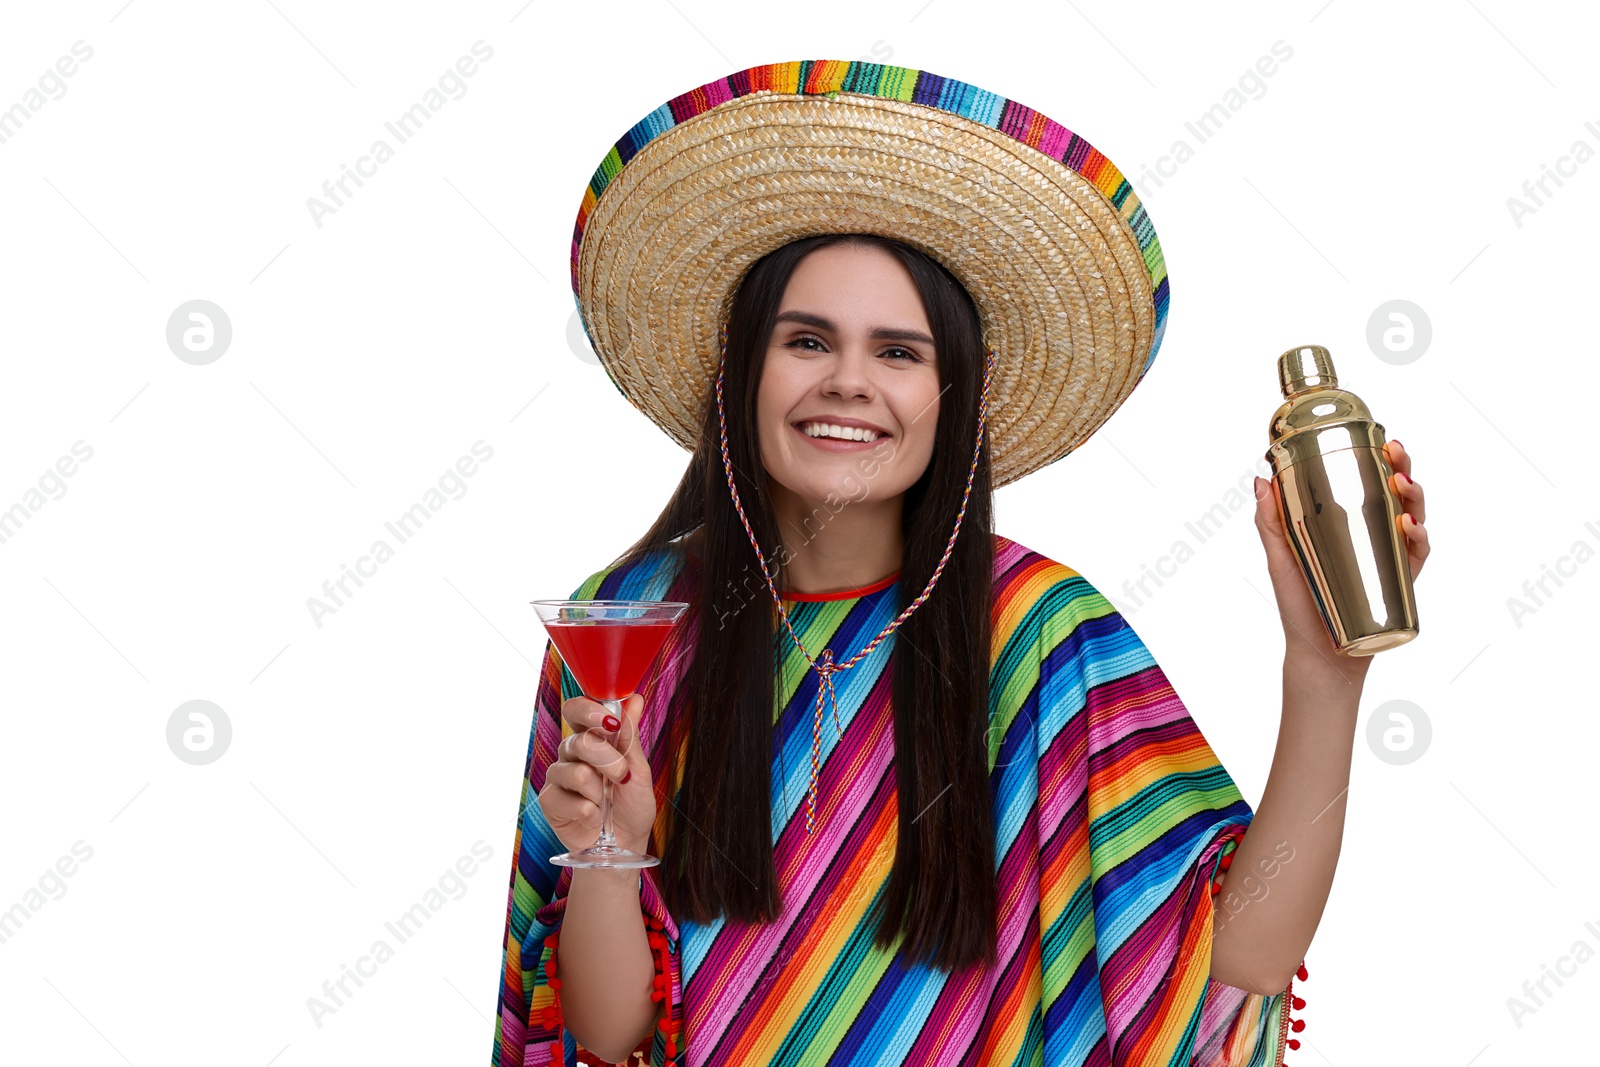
1306 367
1317 416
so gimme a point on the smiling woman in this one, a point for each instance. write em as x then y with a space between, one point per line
933 802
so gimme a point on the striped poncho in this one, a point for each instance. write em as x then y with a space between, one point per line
1111 817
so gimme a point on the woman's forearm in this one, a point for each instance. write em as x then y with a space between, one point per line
605 966
1272 896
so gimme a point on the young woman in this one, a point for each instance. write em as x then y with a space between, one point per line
921 795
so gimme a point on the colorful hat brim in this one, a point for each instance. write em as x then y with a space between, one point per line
1045 233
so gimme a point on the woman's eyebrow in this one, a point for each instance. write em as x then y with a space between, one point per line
882 333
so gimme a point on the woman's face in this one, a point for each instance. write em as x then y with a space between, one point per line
851 352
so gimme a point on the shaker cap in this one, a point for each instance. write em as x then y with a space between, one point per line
1306 367
1316 414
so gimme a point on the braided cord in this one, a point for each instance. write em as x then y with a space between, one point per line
827 668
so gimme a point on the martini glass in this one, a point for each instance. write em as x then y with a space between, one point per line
608 645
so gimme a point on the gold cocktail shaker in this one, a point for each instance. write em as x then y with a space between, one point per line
1341 515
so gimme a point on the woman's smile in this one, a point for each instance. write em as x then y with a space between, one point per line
840 434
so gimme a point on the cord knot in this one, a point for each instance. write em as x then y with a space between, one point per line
826 668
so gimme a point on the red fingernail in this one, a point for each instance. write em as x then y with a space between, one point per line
611 722
1396 441
1401 474
626 777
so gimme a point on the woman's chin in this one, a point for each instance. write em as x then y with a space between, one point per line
835 493
831 482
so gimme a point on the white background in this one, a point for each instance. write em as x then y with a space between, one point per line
433 310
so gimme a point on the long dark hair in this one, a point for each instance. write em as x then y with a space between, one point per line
718 858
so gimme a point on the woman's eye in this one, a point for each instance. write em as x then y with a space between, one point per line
896 354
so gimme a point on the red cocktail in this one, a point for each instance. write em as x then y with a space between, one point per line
608 658
608 645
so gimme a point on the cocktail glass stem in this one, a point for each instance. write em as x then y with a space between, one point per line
608 837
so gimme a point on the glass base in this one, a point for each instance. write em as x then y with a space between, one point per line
604 856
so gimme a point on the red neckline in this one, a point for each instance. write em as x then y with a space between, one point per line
847 594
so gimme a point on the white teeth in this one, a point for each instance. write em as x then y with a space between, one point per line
843 433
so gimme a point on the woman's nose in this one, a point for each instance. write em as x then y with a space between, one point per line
847 375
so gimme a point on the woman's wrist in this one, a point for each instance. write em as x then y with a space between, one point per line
607 882
1315 667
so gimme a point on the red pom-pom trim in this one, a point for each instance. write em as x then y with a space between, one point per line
667 1026
1296 1003
552 1016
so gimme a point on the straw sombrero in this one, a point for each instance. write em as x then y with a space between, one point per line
1043 231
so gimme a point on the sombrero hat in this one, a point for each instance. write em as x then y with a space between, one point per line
1043 231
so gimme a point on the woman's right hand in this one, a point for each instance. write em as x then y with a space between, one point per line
571 795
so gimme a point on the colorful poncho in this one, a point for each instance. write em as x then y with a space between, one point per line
1112 816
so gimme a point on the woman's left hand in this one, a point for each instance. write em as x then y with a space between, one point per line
1302 622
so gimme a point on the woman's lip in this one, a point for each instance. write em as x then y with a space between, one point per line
833 444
